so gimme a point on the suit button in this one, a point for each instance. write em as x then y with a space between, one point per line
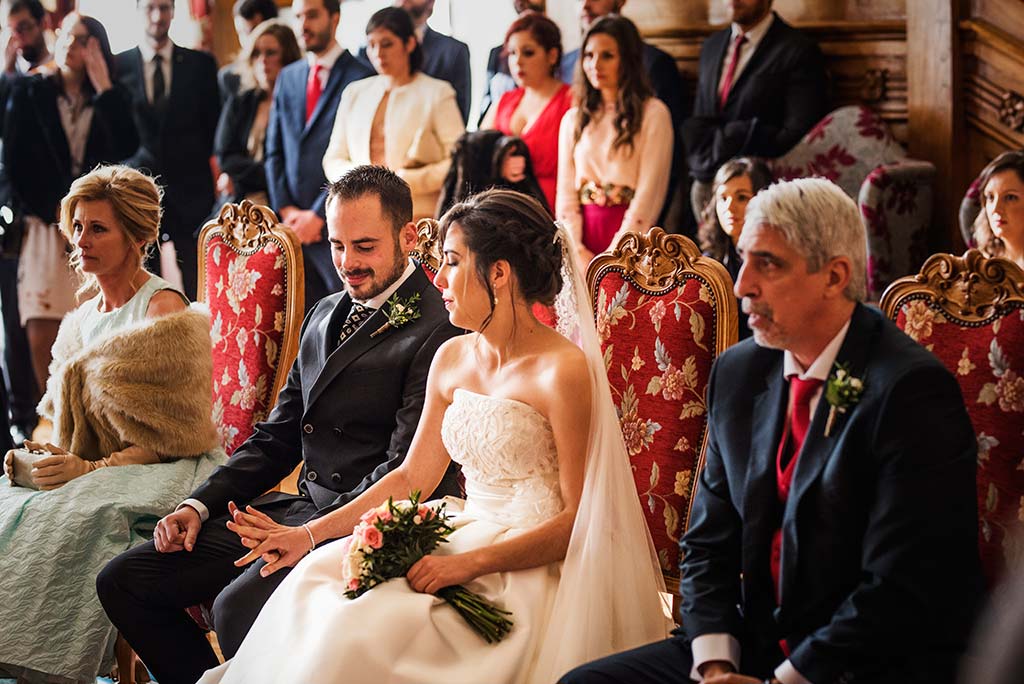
338 431
336 478
311 476
307 428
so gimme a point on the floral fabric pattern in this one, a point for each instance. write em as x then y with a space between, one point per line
246 295
853 148
988 362
658 352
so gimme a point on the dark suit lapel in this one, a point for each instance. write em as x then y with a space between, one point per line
49 119
712 80
136 84
758 58
817 448
767 421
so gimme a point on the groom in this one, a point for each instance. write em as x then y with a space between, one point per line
347 413
833 535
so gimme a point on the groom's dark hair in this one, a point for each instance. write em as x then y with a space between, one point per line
393 192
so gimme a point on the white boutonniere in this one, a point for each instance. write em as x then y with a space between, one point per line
842 391
400 312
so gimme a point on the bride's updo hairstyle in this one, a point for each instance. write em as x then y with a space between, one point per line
505 224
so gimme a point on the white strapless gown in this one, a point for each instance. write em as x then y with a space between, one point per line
309 632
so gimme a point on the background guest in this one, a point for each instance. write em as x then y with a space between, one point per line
165 81
130 386
499 78
57 127
615 124
248 14
401 119
444 57
999 228
242 129
305 105
534 110
735 184
761 85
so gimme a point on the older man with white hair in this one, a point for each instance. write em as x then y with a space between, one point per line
833 534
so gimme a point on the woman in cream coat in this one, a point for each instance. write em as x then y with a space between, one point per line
401 119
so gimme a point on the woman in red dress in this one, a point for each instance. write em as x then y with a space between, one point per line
534 110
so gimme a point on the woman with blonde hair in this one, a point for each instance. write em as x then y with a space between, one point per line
129 398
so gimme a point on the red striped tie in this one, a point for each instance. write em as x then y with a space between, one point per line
313 90
730 71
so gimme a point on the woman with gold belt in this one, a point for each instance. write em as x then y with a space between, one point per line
615 144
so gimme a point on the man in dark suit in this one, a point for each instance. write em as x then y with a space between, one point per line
175 106
444 57
665 80
761 86
347 414
301 119
834 529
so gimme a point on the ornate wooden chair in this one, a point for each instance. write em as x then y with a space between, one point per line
428 246
969 311
664 313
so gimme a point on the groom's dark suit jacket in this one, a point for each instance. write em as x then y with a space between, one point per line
347 414
880 574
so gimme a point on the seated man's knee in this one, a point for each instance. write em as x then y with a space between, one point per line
116 582
236 607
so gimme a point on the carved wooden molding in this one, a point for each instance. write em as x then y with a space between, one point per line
994 37
428 244
972 289
245 227
656 262
1011 110
873 86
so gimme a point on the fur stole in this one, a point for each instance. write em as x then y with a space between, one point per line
149 385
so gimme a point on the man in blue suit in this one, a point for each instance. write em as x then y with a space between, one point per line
444 57
301 119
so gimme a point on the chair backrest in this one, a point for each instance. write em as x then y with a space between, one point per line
428 246
664 313
969 311
251 277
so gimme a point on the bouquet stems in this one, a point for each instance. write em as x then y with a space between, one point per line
486 620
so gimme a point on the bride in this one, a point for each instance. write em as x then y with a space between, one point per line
551 529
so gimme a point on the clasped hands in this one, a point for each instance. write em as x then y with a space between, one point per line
54 471
282 546
721 672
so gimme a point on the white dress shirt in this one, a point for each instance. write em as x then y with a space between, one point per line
710 647
754 38
326 61
148 53
374 303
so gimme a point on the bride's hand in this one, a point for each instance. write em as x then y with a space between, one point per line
430 574
280 546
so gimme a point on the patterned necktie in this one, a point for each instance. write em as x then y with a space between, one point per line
313 90
357 315
730 71
159 85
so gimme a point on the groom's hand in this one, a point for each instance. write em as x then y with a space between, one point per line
177 531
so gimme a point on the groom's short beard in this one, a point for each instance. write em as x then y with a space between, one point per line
376 285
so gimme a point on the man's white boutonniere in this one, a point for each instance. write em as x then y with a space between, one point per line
841 392
400 312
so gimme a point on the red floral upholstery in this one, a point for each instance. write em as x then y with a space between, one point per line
983 346
853 148
251 279
663 315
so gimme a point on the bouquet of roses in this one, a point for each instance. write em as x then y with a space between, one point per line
390 539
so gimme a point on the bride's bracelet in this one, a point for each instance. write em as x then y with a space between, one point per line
312 542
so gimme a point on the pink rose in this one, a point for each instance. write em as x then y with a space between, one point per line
369 517
353 584
426 512
373 537
384 514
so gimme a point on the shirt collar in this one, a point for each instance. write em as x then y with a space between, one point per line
379 300
421 32
148 53
755 34
327 59
821 368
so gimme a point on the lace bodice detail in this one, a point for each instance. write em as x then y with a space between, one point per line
507 453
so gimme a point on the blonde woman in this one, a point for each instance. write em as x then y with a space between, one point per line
129 397
401 119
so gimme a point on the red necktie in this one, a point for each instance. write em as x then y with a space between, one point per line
800 394
730 70
313 90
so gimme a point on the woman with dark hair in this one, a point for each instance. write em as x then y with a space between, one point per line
242 129
735 184
58 126
999 228
551 519
615 144
534 110
401 118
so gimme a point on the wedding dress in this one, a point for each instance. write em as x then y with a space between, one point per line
603 598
